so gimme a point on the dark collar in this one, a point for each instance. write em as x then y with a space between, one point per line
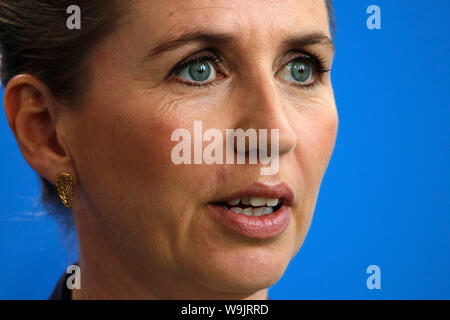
61 291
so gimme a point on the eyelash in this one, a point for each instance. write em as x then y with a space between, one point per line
317 63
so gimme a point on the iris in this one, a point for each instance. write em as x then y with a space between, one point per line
301 71
199 71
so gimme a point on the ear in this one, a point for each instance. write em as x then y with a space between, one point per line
32 113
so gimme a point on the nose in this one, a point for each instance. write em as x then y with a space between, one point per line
261 106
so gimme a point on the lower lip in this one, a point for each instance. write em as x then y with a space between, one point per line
263 227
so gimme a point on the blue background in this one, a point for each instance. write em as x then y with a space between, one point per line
384 199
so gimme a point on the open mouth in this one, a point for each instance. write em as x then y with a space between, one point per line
258 210
252 206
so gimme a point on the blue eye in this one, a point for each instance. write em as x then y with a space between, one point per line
298 70
197 71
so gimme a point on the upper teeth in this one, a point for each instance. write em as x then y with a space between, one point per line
254 201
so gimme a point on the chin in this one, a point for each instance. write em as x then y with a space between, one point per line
247 269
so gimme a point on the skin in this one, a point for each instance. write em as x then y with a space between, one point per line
143 227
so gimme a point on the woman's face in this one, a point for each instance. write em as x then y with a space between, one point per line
134 206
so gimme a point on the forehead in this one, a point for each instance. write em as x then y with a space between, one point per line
240 17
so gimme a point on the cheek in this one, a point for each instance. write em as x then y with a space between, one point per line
132 144
325 137
316 132
122 153
316 135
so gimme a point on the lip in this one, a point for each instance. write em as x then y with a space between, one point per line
262 227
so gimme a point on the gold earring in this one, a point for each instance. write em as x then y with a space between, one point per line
65 189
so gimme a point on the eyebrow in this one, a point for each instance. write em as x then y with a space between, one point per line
297 40
309 39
